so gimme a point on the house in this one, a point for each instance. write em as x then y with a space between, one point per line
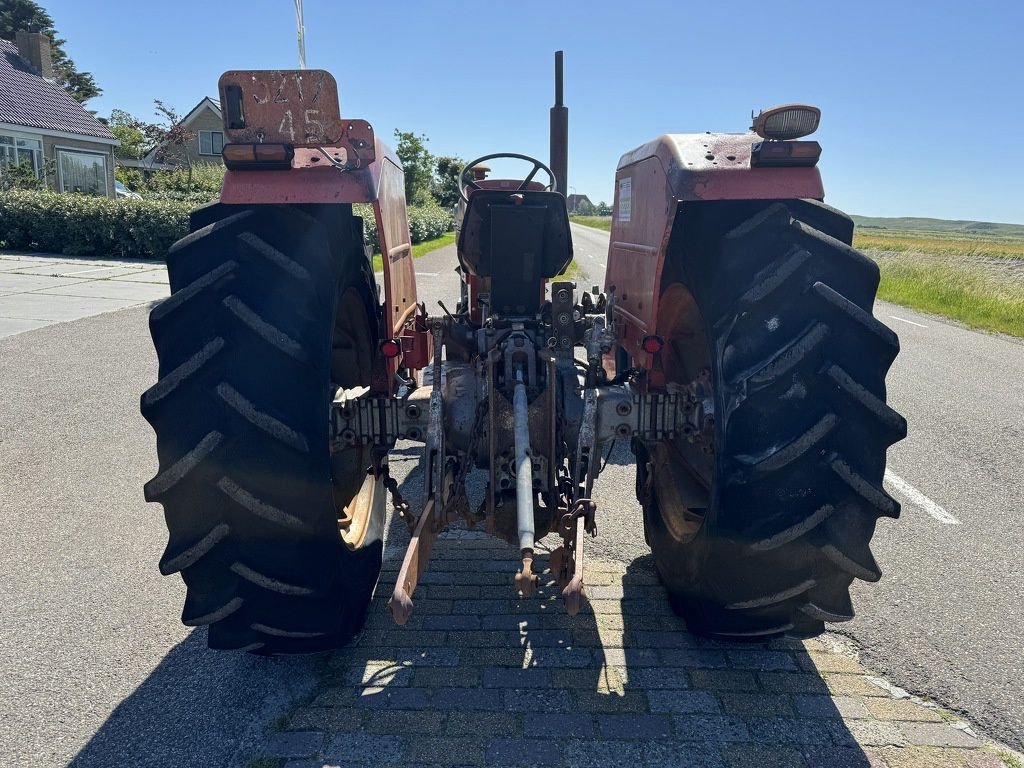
40 122
205 121
578 203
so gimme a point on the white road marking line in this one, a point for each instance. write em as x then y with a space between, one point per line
904 320
914 496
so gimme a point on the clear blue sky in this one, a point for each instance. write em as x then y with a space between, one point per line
922 103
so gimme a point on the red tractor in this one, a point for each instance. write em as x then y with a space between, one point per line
733 346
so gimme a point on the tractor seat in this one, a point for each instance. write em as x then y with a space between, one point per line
518 240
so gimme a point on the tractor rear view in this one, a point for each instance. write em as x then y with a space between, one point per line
733 346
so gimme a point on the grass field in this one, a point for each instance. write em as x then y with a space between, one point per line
977 280
597 222
419 249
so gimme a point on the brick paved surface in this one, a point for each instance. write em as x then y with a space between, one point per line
478 678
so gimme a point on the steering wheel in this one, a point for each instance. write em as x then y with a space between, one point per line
466 176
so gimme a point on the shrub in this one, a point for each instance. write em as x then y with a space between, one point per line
84 225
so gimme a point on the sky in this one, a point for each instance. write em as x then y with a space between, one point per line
922 102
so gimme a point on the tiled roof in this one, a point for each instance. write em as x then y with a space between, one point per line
27 99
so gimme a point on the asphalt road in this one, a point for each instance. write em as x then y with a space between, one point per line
97 671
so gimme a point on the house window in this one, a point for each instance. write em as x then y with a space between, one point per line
211 142
15 150
82 172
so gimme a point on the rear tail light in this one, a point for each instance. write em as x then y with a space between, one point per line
264 157
391 348
652 344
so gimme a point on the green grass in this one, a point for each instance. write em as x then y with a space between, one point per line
946 226
597 222
1009 759
419 249
960 292
572 272
937 244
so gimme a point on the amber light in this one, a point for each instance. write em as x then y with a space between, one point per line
258 156
390 348
652 344
785 153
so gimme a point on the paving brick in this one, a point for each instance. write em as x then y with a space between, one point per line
668 753
869 733
538 700
597 701
607 679
757 704
507 622
490 723
682 702
540 638
656 679
510 677
440 677
634 726
466 699
483 639
924 757
658 639
580 753
937 735
762 661
840 757
792 682
761 755
573 725
364 748
504 657
723 679
327 719
451 622
830 662
851 685
562 658
525 752
413 638
446 750
415 723
788 730
482 607
449 592
901 709
392 698
292 744
692 657
712 728
835 707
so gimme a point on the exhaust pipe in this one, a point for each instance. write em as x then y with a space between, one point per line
559 146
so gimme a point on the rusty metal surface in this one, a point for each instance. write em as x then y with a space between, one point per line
395 246
290 106
417 556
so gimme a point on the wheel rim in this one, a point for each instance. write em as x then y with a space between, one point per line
682 473
351 365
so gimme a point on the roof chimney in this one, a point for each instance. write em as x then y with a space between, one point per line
34 47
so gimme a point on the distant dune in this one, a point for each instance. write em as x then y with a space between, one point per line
949 226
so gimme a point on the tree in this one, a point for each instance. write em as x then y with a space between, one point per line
129 130
28 16
418 164
170 136
603 209
585 208
446 182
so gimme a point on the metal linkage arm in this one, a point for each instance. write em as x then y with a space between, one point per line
358 419
623 413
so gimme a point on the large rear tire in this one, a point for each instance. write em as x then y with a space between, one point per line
762 534
272 309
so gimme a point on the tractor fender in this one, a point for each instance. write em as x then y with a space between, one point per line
651 183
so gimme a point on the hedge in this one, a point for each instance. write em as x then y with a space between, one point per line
83 225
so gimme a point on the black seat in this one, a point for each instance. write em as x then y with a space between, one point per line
516 240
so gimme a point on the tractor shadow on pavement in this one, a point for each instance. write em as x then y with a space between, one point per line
481 677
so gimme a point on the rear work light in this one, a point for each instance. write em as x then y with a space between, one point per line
785 153
790 121
262 157
391 348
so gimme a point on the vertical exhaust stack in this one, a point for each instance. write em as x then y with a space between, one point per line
560 133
